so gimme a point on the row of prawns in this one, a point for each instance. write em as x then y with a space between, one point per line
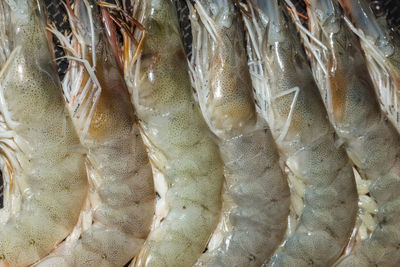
307 177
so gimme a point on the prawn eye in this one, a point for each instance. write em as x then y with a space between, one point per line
378 8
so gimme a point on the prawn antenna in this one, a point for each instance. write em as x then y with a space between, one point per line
121 17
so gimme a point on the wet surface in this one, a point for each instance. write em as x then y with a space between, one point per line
1 190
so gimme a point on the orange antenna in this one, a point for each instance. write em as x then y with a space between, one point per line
298 14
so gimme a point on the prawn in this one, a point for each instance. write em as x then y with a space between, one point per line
324 195
42 160
256 196
180 143
381 47
121 205
371 141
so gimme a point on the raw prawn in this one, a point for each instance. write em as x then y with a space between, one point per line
42 160
121 204
370 139
381 47
256 196
180 143
319 170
